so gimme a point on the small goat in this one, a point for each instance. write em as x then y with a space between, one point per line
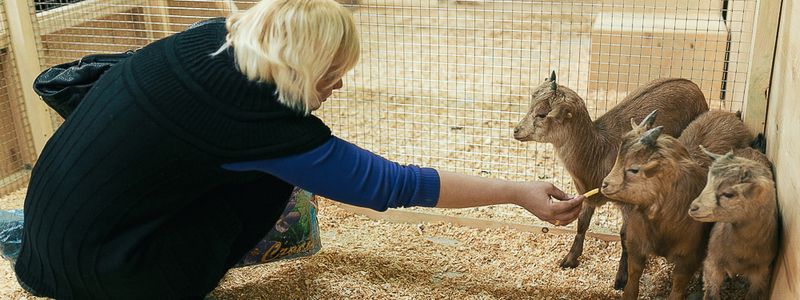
558 116
659 176
740 197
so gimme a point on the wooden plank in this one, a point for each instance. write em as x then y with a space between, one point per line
783 137
405 216
629 50
26 55
761 62
72 15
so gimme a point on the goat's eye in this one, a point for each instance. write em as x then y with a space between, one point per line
634 170
727 195
541 115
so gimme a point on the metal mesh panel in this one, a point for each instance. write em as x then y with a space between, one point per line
442 83
16 145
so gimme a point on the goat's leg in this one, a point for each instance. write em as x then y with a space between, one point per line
584 220
712 280
622 269
682 274
636 264
759 283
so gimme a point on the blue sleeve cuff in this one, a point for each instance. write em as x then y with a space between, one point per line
428 185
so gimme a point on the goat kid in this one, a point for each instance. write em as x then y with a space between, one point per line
587 149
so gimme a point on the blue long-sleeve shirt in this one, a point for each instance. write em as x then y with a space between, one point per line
346 173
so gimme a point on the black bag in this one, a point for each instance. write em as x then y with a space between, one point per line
62 87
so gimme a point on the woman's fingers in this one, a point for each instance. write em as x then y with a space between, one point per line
564 212
556 193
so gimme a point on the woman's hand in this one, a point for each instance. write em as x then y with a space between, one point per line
459 191
549 203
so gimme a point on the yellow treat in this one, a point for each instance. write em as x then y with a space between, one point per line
591 193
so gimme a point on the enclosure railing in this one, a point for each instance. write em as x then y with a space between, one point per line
442 83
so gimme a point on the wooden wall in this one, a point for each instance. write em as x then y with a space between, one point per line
783 135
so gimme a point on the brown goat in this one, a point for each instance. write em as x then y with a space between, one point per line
558 116
740 197
659 176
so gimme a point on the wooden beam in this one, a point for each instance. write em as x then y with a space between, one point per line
405 216
762 58
26 54
14 181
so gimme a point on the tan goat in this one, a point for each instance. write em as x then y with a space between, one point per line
740 197
660 176
557 115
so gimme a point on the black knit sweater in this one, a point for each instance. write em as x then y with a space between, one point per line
144 144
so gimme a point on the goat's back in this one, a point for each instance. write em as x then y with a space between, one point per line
718 132
679 101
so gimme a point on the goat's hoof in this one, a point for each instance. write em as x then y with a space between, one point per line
619 283
569 263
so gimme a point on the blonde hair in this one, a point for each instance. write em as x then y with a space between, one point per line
294 44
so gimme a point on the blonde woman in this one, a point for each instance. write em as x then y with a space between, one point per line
183 156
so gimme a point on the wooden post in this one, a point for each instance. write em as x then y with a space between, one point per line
761 62
783 148
156 19
26 54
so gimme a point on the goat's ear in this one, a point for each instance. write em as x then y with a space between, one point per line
652 211
729 155
560 113
650 168
710 154
633 124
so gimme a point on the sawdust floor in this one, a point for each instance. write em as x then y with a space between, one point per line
368 259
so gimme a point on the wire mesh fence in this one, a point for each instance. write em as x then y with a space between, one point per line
16 146
442 83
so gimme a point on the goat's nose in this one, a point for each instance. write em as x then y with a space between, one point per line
605 184
516 130
694 207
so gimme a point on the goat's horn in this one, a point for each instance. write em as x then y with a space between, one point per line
651 136
553 76
649 119
553 85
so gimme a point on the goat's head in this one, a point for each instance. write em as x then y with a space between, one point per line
551 109
736 188
643 162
